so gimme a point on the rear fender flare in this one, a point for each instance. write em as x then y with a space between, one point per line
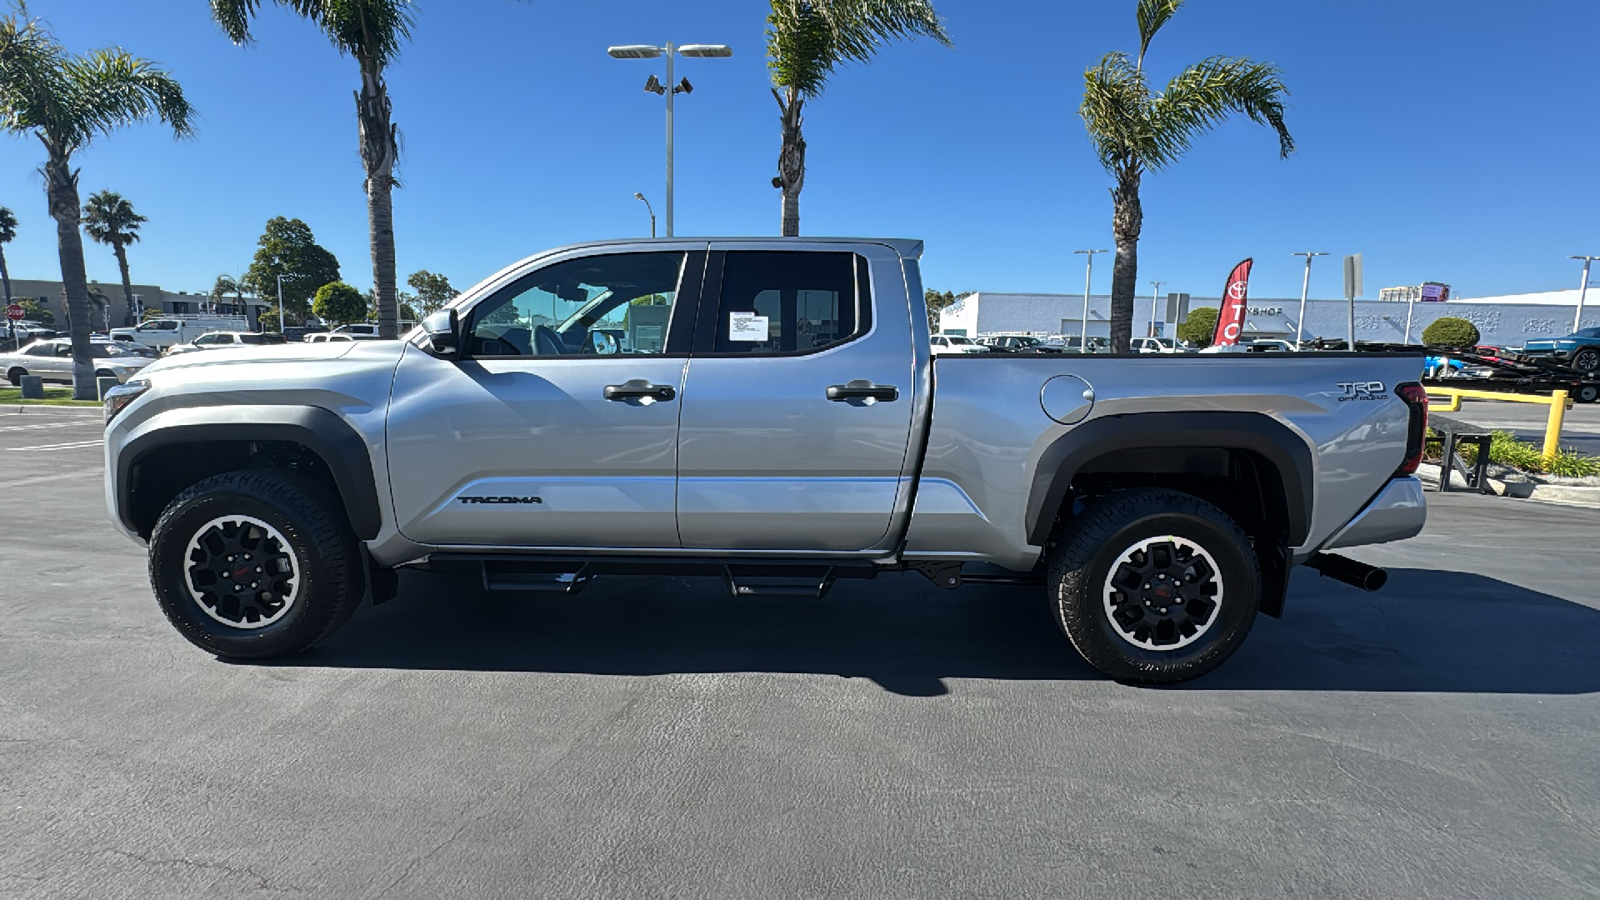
1261 434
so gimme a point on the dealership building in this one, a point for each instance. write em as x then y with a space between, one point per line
1505 321
109 304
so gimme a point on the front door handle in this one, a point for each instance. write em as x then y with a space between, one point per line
862 391
639 389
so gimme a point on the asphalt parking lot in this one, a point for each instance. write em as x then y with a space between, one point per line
655 738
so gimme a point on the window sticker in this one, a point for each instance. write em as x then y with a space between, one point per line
747 326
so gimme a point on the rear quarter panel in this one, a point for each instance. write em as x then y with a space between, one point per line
989 430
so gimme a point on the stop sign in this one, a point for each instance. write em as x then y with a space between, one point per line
14 311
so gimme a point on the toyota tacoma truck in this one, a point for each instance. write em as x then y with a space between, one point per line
768 411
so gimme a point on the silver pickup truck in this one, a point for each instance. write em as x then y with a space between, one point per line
768 411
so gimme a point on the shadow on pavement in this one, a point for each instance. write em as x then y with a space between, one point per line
1428 631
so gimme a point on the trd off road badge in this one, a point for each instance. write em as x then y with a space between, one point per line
1362 390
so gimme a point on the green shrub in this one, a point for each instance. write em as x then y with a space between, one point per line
1505 449
1202 324
339 303
1450 331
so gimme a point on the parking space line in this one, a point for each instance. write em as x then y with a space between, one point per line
43 425
69 446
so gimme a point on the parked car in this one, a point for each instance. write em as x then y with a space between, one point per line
1156 345
218 340
323 337
300 332
956 345
51 360
360 331
1011 343
1161 500
1580 350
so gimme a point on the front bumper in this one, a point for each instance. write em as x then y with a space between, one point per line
1398 512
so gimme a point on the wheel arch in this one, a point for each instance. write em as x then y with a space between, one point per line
157 465
1250 465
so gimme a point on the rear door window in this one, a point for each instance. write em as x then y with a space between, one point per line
782 302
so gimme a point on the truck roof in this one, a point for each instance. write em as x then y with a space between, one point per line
908 248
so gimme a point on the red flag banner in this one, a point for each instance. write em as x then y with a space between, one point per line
1230 318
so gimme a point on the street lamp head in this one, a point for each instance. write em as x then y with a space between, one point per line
704 51
637 195
634 51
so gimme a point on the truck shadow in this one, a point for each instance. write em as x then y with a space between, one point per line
1429 631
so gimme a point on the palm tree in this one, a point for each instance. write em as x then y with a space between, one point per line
67 101
371 31
8 233
227 284
806 40
1135 131
109 219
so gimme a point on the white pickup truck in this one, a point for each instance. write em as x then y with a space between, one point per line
160 334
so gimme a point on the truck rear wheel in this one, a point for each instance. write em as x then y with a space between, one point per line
254 564
1154 586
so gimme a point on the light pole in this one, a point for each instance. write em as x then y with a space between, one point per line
280 300
1155 293
1088 272
1305 288
638 195
1583 289
650 51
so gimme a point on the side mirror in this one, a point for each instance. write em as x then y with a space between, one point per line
603 343
443 331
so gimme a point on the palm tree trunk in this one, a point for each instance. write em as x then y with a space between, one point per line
791 160
127 285
5 275
1126 221
61 186
379 150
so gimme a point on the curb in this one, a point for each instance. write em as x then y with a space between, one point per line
1568 495
44 409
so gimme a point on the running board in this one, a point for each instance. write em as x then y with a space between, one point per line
548 578
779 581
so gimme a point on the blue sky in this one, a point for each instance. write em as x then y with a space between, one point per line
1444 140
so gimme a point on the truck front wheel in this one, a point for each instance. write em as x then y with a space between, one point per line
254 564
1154 586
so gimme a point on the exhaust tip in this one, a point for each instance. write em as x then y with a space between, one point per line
1349 571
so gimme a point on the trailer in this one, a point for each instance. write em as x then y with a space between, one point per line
1513 374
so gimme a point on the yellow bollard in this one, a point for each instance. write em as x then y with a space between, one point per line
1552 425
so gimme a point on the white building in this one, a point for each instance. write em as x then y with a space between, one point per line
1502 321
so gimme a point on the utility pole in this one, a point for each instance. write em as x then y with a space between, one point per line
1088 272
1155 294
1583 289
1305 289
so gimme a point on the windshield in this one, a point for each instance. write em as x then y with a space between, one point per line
1587 333
961 340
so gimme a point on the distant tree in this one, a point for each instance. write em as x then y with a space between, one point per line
433 290
33 312
8 233
1199 328
109 219
267 320
806 41
1135 130
408 309
339 303
288 248
66 101
1450 331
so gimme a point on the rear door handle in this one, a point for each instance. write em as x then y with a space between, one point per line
639 389
862 390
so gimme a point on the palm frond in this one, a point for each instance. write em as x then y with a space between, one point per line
8 225
32 62
116 89
808 39
1115 111
365 29
1205 94
1152 15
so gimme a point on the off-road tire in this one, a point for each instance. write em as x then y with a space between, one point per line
313 532
1586 360
1080 561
